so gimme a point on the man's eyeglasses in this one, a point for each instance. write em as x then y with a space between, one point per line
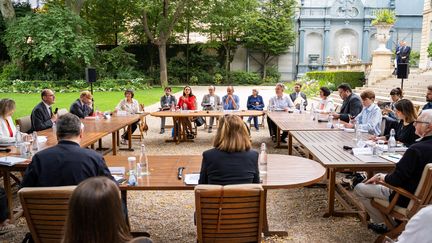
420 122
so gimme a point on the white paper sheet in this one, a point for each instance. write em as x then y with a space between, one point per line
10 160
191 179
117 170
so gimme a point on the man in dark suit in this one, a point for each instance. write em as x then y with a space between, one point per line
166 102
297 94
82 107
351 105
42 116
65 163
406 175
403 52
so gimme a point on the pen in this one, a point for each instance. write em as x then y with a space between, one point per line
394 157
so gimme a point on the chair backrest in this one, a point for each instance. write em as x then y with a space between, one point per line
24 123
45 210
423 191
233 213
62 111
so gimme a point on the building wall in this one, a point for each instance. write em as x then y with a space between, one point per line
426 35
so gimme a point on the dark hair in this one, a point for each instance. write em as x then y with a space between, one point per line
406 107
396 91
430 87
6 105
95 213
68 126
130 91
326 91
187 86
44 92
345 87
299 84
367 94
167 87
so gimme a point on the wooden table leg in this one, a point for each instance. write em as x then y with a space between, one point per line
114 143
266 229
8 191
278 137
331 187
100 143
129 128
290 144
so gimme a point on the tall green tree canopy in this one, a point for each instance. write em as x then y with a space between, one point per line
271 32
53 40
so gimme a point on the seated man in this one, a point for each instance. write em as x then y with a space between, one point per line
406 175
282 103
298 96
230 101
370 117
351 105
82 107
166 102
42 116
428 99
210 102
65 163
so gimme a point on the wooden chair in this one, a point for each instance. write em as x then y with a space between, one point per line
233 213
389 210
24 123
45 210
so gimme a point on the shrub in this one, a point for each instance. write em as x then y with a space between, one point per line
384 16
332 79
245 78
429 50
414 59
217 79
273 75
116 63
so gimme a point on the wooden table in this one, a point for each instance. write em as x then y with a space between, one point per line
283 171
327 148
287 122
179 131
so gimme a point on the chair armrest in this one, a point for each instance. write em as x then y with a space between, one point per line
399 190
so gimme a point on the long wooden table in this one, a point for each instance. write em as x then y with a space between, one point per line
94 130
283 171
179 131
327 149
287 122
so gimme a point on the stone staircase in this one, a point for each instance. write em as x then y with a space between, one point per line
414 88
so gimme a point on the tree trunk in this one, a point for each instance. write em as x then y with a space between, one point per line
7 10
264 66
227 63
163 64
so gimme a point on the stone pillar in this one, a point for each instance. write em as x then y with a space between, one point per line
382 66
302 46
365 45
326 48
426 32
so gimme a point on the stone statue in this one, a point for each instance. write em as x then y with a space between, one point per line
345 54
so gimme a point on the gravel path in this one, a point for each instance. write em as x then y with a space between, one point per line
168 215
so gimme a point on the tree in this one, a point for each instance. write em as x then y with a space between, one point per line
226 22
49 42
272 32
7 10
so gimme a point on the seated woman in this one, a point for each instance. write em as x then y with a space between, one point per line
231 161
7 129
370 117
95 213
187 102
131 106
255 102
326 104
83 106
405 130
395 96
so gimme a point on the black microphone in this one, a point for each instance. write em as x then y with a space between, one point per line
6 150
180 172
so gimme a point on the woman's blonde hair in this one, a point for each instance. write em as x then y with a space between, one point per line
6 105
232 134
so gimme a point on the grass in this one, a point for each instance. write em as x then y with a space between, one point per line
104 101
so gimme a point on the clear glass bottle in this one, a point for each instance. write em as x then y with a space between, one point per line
262 159
330 120
35 145
143 162
392 142
132 171
54 128
18 136
358 137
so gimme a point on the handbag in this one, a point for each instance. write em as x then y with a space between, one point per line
199 121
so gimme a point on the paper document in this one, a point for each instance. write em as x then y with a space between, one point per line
392 157
10 160
191 179
371 159
7 144
362 151
117 170
42 139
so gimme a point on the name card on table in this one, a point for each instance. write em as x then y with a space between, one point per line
117 170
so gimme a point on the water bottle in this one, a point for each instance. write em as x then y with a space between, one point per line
35 145
18 136
358 137
392 142
132 171
172 107
330 121
54 128
301 106
262 159
143 163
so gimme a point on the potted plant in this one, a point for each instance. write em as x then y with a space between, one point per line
384 20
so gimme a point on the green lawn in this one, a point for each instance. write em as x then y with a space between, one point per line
104 101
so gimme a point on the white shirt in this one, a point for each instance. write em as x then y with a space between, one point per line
4 132
129 107
419 227
281 103
47 107
326 105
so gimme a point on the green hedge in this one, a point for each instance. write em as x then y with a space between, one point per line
66 86
335 78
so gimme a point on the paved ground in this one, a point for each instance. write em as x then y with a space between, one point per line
168 215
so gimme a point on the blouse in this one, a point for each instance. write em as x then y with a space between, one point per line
189 101
129 107
5 134
370 118
251 103
326 105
